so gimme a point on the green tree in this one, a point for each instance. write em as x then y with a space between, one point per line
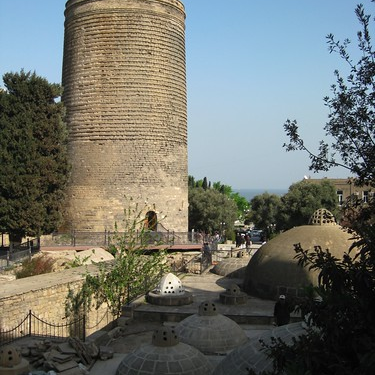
33 156
264 211
209 209
191 182
302 200
242 205
134 271
341 339
241 202
205 183
224 189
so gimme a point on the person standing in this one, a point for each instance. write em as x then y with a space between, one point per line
281 311
248 242
238 240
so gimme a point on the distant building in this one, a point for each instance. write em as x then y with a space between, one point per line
346 188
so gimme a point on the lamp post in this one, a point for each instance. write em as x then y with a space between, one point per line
222 228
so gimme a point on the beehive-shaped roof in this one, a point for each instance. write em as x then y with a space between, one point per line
11 361
165 355
252 356
170 284
273 270
210 332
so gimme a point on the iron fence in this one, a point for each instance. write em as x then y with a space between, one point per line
14 254
86 238
33 326
209 256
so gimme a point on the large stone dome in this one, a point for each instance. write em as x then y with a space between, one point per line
273 270
232 267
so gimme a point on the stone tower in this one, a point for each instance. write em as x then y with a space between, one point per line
124 80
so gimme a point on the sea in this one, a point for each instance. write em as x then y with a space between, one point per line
249 194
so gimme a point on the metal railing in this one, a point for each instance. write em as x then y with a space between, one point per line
14 254
86 238
32 326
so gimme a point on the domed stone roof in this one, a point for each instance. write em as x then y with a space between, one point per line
170 292
9 356
233 296
273 270
171 284
210 332
11 361
251 356
165 355
232 267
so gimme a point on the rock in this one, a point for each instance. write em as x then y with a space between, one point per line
105 353
92 349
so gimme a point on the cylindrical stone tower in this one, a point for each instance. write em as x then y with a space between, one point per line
124 80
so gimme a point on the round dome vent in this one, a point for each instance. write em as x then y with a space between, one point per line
322 217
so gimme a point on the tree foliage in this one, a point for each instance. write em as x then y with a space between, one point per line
271 212
209 210
33 155
340 338
226 190
264 210
302 200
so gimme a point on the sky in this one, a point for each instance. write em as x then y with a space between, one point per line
251 65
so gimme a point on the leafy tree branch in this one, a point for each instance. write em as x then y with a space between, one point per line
351 121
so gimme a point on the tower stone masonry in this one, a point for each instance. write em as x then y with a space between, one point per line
124 81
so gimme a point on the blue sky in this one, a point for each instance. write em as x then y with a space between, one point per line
251 64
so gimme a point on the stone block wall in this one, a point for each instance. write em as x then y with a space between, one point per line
45 295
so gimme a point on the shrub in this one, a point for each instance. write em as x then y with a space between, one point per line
35 266
134 271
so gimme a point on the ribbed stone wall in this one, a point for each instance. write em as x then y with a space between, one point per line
124 80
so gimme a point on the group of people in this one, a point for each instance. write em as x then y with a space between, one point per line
243 240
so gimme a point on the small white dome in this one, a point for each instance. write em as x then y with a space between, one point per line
170 284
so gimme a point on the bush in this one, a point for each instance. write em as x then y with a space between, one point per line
35 266
134 271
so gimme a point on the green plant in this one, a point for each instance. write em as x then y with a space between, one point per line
34 166
77 261
230 235
135 270
35 266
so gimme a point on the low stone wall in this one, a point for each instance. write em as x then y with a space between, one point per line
45 295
